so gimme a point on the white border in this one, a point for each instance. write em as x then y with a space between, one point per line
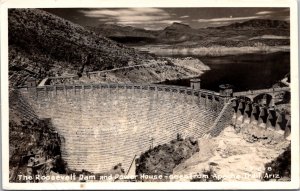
292 4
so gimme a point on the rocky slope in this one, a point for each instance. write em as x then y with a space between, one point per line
34 145
154 71
240 156
162 159
41 44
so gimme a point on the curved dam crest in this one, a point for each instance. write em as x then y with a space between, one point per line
106 125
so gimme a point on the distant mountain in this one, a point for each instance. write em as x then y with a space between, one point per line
245 34
178 27
176 32
124 34
41 44
116 30
258 24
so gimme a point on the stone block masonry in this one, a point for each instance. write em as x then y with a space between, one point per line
20 106
107 124
223 120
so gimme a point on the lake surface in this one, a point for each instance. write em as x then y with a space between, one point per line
244 72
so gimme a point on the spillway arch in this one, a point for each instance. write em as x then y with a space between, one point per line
107 124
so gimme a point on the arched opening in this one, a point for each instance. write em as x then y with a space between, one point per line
281 122
263 99
255 112
244 98
248 110
235 105
271 120
282 98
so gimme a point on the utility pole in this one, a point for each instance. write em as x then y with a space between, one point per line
151 145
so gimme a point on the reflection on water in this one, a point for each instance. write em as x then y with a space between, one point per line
244 72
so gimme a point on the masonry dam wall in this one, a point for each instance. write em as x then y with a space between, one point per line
106 124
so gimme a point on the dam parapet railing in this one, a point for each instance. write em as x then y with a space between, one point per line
70 81
154 87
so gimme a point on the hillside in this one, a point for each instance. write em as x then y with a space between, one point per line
30 137
162 159
258 24
41 44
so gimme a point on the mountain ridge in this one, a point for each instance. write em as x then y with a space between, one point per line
180 32
178 26
258 23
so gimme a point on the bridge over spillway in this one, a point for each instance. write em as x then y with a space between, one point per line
269 95
253 93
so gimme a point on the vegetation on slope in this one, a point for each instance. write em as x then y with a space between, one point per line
162 159
279 168
206 176
30 136
28 139
41 44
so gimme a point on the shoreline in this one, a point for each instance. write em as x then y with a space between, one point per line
167 50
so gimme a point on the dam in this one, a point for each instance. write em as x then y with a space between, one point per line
108 124
103 125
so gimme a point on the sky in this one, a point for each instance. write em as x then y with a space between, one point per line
159 18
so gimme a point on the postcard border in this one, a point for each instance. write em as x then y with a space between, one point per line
292 4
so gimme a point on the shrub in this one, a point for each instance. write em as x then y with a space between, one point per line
207 176
279 168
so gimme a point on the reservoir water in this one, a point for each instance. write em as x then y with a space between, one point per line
244 72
